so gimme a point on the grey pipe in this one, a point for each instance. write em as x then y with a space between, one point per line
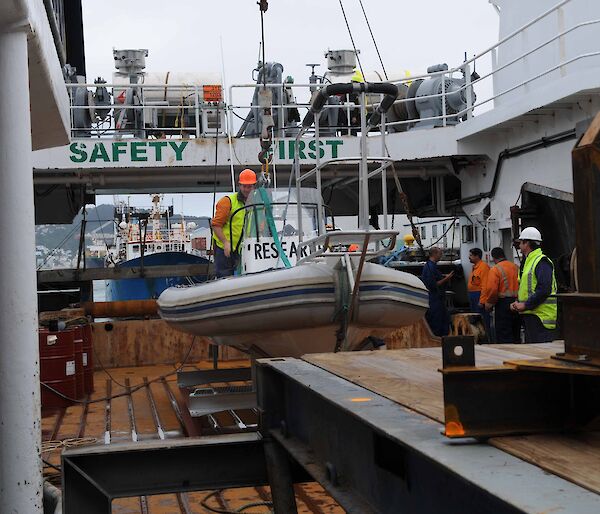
55 33
52 499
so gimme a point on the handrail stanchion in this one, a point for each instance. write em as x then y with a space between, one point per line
363 219
281 120
468 90
197 111
384 198
317 178
444 120
298 184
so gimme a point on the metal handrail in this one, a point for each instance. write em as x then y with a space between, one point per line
192 101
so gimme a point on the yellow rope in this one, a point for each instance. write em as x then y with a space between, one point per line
71 442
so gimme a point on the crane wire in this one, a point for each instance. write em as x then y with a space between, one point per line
262 37
373 38
351 38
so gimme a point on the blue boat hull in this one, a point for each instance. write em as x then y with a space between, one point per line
146 288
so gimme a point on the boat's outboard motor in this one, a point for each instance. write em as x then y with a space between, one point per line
422 107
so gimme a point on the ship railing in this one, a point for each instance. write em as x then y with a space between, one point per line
221 118
490 54
191 117
485 63
335 244
165 236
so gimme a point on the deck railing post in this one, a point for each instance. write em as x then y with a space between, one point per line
20 430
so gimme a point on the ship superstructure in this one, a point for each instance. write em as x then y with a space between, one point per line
465 140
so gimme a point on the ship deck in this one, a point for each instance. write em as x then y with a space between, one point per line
146 404
412 379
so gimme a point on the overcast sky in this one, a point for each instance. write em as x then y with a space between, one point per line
187 35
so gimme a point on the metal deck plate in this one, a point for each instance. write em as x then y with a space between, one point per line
368 450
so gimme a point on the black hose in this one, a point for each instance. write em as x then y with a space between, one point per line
320 99
507 153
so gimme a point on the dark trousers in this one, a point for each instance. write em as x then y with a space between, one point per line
225 266
474 297
437 315
535 332
507 322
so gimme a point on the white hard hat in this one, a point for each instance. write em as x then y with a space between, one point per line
530 233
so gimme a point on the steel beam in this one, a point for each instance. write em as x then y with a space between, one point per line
212 376
521 396
212 400
373 455
94 476
58 276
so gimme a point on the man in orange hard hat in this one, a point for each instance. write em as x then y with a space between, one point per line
228 224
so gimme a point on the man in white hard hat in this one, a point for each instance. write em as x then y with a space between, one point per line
537 290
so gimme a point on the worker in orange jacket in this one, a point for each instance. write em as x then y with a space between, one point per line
501 290
476 287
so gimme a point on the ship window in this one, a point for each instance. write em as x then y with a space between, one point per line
423 232
136 248
467 234
434 231
159 247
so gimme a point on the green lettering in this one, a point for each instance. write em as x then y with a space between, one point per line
158 146
301 146
99 152
78 153
138 151
312 145
118 148
178 149
334 147
292 149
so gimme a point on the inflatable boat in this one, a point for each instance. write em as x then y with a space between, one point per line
294 311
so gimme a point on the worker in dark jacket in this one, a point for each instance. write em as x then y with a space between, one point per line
437 315
537 302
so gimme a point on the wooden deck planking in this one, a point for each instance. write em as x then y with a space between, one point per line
411 378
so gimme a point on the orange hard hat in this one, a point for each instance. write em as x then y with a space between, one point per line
353 247
247 177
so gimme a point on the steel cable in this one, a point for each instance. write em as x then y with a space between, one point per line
351 38
373 38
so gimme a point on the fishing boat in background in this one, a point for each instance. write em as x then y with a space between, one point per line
152 237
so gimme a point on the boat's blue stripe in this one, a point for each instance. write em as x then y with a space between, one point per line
238 301
284 294
395 289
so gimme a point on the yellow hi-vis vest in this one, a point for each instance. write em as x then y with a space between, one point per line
546 311
234 223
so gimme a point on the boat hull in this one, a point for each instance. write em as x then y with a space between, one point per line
294 311
147 288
